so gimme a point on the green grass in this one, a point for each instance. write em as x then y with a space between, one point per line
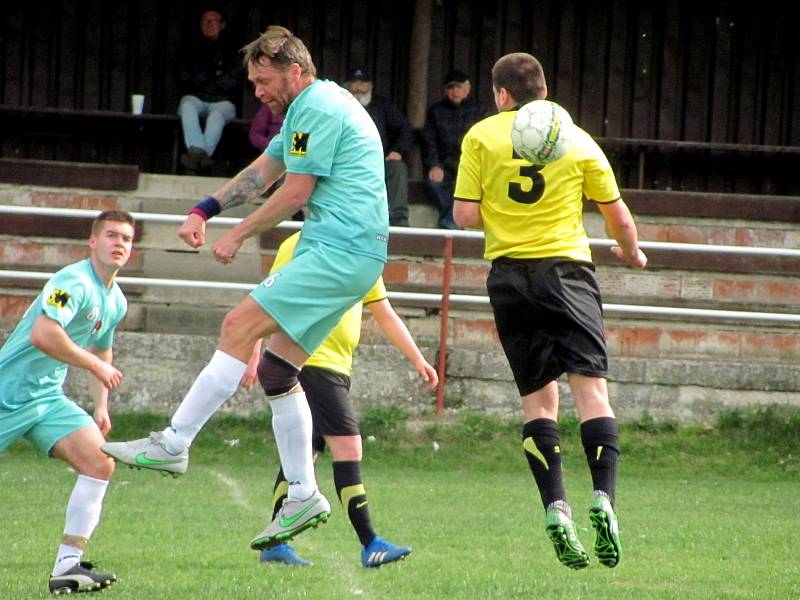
705 512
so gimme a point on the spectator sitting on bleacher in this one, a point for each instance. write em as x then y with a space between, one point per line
396 137
445 125
209 78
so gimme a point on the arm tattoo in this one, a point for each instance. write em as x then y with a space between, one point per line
246 186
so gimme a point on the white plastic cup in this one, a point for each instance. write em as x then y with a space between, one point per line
137 104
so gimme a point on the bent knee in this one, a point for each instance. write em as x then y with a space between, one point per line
99 466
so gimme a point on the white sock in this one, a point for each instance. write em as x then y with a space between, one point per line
213 386
83 515
67 557
291 423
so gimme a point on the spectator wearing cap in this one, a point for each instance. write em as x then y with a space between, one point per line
395 133
445 125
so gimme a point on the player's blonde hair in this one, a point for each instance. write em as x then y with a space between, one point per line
521 75
282 48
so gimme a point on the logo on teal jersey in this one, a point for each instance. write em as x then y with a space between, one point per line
299 143
58 298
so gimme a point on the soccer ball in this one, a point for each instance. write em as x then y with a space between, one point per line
541 132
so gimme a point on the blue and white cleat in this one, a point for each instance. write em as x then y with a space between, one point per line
380 552
283 554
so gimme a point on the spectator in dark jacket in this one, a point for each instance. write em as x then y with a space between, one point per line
396 136
209 78
445 125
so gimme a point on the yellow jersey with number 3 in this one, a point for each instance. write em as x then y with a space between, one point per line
532 211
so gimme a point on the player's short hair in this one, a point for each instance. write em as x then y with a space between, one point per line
282 48
117 216
521 75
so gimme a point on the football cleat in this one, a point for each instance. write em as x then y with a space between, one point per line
561 531
80 578
294 517
283 554
148 453
380 552
606 543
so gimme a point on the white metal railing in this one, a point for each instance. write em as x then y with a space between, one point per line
463 299
421 231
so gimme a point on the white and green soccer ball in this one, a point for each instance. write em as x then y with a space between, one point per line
541 132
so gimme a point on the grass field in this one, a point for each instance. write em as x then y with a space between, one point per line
704 513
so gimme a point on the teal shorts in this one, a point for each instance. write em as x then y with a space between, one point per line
308 296
42 422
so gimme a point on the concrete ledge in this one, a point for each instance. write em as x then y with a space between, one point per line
69 174
158 369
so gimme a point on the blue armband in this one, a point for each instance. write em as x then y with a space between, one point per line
207 208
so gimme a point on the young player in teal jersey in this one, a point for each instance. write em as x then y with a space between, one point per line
71 323
332 155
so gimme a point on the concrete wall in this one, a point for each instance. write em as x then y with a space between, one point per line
159 368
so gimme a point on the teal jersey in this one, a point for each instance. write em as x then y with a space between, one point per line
327 133
89 313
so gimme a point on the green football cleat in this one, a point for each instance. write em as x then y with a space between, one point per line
606 543
294 517
568 547
148 453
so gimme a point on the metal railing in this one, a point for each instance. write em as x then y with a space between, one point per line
421 231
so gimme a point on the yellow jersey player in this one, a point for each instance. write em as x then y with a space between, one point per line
325 378
546 302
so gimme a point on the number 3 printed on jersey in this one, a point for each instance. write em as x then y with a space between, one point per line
531 173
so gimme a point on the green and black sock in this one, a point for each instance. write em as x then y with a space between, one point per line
600 437
279 493
541 442
353 496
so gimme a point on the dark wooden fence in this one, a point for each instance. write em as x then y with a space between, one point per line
709 72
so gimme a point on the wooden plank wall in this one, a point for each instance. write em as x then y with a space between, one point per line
714 71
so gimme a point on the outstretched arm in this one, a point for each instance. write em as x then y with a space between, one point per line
251 372
620 226
393 327
248 185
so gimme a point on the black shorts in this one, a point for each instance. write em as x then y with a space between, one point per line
549 317
328 398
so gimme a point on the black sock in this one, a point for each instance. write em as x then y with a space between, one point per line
353 496
541 442
600 437
279 492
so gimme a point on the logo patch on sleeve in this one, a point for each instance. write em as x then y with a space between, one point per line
58 298
299 143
